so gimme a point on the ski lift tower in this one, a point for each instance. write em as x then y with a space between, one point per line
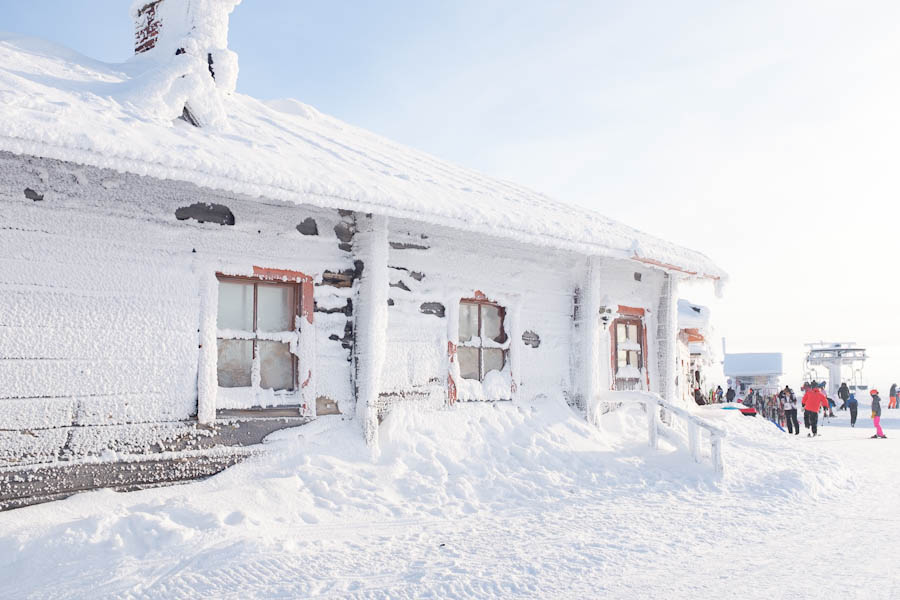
843 360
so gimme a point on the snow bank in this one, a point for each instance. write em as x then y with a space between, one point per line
477 501
470 458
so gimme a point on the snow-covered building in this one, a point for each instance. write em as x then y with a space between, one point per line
760 371
699 363
176 256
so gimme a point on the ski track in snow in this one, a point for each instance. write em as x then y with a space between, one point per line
794 518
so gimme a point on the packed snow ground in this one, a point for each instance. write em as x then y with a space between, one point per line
488 501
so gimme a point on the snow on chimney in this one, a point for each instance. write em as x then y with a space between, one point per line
198 28
189 70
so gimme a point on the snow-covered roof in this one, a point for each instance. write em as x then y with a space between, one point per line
699 349
692 316
746 365
59 104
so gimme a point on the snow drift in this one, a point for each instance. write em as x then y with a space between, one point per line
469 458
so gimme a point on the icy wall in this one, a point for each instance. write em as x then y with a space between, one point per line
431 268
108 305
101 288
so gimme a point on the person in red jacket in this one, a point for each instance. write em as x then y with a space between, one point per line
813 400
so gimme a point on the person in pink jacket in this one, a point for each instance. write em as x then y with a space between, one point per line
876 414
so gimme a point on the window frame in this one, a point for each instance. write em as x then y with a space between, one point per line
257 336
480 302
629 316
626 321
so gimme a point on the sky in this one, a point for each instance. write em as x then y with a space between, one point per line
764 134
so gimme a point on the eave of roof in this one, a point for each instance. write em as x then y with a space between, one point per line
303 157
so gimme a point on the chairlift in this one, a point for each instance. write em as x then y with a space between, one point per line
844 362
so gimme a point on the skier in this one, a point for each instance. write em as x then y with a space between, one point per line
813 400
843 394
893 394
789 401
730 394
719 393
852 404
876 415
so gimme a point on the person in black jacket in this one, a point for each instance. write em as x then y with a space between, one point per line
730 394
789 402
804 388
844 395
853 405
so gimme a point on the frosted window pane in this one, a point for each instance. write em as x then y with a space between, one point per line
234 362
468 362
622 358
493 360
620 333
633 359
275 307
468 321
235 306
632 332
276 366
492 324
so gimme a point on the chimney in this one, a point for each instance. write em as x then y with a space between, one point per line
146 27
165 25
195 28
182 46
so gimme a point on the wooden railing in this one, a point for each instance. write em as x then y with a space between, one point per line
652 404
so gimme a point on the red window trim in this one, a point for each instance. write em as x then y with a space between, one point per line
307 303
693 335
502 310
628 313
306 299
478 297
631 311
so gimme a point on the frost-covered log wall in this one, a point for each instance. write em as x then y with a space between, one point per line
101 287
431 268
108 300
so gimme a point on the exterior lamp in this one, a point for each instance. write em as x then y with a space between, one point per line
606 311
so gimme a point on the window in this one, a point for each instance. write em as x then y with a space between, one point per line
256 323
629 337
483 343
628 341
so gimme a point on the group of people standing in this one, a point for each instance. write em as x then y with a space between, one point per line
783 408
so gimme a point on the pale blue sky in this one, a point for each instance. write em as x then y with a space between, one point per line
762 133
